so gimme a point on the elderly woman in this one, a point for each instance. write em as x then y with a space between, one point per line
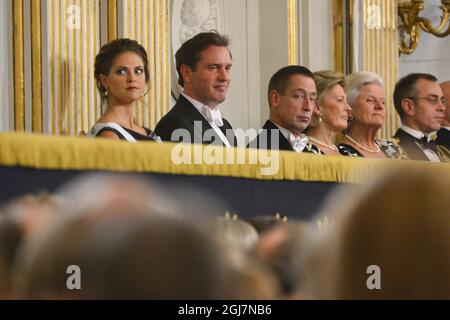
365 95
331 113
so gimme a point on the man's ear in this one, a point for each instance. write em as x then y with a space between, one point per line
186 72
408 106
274 98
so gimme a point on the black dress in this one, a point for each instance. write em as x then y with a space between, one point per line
150 136
389 148
123 133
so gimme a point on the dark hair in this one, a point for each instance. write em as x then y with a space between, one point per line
190 52
108 52
280 80
406 87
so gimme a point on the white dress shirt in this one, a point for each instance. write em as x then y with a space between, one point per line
298 143
213 116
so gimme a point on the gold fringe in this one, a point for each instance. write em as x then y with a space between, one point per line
75 153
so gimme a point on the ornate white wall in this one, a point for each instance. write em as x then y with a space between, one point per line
258 30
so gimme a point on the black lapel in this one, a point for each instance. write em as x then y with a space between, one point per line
194 115
283 143
410 145
443 138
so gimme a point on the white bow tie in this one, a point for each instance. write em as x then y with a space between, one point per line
298 143
214 115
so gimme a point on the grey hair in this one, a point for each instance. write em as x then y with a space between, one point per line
355 81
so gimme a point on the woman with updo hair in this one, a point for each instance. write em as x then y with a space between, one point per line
365 95
331 112
122 75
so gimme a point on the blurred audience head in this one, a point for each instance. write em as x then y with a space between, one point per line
236 233
266 222
123 256
285 249
389 240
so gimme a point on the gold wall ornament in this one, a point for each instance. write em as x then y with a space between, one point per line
112 20
409 12
18 62
292 31
147 22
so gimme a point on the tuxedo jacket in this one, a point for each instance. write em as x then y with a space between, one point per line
411 145
264 141
185 116
443 138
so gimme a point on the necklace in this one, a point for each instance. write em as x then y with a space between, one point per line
377 148
321 143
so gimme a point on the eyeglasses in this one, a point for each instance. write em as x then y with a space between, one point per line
434 100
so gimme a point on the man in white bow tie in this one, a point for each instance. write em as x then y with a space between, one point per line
203 65
292 95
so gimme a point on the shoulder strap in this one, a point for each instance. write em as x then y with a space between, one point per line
110 125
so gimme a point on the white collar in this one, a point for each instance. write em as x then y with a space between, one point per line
446 128
416 133
298 143
211 115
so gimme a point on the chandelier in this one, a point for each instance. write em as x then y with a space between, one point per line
412 24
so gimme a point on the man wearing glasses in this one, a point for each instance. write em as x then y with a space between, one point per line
443 135
420 104
292 95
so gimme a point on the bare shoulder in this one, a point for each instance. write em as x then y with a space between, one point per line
108 134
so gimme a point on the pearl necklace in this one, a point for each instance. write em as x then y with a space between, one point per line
321 143
377 148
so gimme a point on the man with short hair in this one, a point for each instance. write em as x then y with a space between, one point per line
203 65
292 95
443 135
419 102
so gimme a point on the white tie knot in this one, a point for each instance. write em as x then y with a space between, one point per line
214 116
298 143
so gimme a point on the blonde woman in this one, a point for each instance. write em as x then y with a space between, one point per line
331 113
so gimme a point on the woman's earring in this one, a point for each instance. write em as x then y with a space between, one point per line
106 92
320 117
